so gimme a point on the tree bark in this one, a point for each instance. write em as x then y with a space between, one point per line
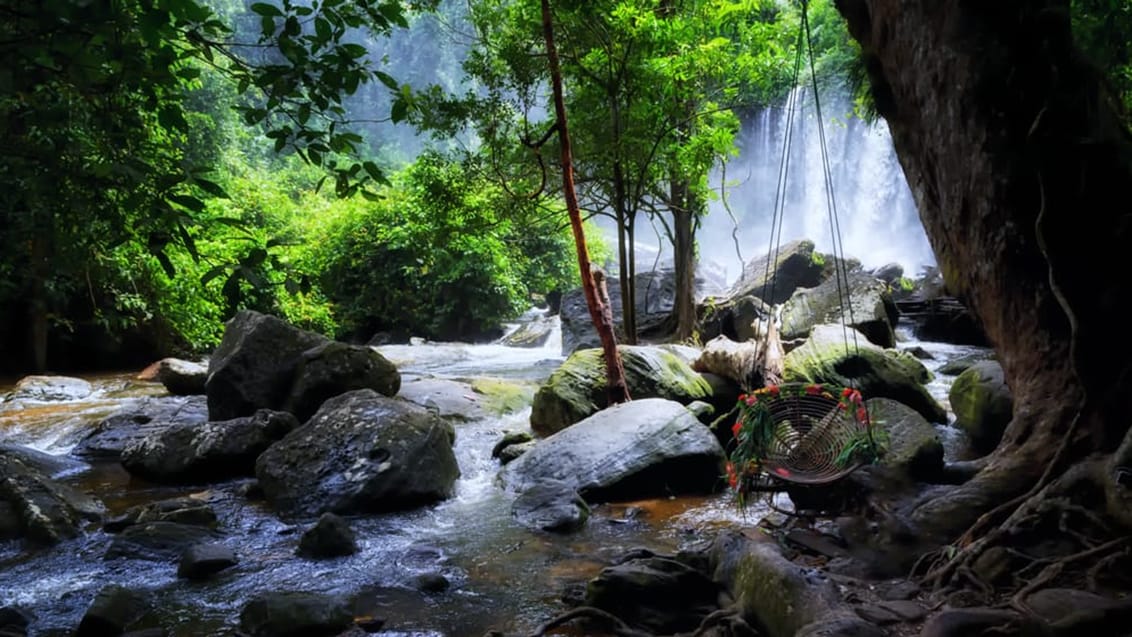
617 389
1019 164
684 211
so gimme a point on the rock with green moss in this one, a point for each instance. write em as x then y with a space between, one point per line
982 403
501 397
576 390
844 357
912 445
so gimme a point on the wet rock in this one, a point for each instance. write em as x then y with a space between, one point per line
499 397
48 464
892 612
10 525
869 309
914 448
828 358
370 624
360 453
137 419
897 590
889 273
50 389
14 621
512 452
201 561
657 594
919 353
510 438
180 377
550 506
449 399
331 536
643 448
534 331
40 509
206 452
957 366
432 583
335 368
113 610
577 389
264 362
157 541
179 510
982 403
295 615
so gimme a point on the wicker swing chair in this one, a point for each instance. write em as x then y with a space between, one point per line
804 434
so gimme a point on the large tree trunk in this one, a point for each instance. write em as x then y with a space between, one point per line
1020 167
617 388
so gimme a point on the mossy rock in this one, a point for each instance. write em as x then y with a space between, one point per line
913 446
982 403
577 389
829 358
501 397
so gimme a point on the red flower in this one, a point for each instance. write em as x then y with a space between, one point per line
752 400
813 390
782 472
862 414
847 392
773 389
735 428
732 477
742 397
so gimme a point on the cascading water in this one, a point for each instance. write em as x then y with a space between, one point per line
877 216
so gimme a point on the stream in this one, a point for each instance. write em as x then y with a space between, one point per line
503 577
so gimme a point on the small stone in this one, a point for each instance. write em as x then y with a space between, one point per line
202 560
432 583
113 609
508 439
370 624
514 451
331 536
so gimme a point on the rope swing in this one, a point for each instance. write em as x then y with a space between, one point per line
805 434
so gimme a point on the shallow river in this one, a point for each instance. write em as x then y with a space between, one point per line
503 577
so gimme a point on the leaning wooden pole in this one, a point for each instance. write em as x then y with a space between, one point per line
600 314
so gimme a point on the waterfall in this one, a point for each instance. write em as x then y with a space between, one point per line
877 216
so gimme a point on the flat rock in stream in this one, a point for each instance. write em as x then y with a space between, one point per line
50 389
136 419
644 448
40 509
295 615
49 464
158 541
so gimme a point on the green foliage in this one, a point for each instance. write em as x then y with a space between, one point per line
445 253
1103 29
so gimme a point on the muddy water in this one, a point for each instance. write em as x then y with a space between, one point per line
503 577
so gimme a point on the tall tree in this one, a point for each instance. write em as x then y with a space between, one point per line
1021 166
600 313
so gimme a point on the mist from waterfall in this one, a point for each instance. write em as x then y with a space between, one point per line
877 217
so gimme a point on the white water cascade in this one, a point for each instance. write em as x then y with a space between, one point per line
878 220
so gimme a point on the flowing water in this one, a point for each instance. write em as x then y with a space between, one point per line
502 576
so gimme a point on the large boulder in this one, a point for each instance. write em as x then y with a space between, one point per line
361 452
206 452
463 401
576 390
982 403
914 448
869 308
797 266
333 368
113 610
841 356
137 419
264 362
40 509
647 447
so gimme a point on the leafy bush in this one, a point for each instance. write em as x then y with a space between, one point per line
445 254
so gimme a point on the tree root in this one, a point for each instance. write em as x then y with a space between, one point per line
619 628
1056 566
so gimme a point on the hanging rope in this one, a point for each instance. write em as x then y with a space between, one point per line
804 434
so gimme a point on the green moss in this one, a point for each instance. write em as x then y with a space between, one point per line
826 358
501 396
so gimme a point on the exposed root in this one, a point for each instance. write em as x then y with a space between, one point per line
619 628
1054 567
